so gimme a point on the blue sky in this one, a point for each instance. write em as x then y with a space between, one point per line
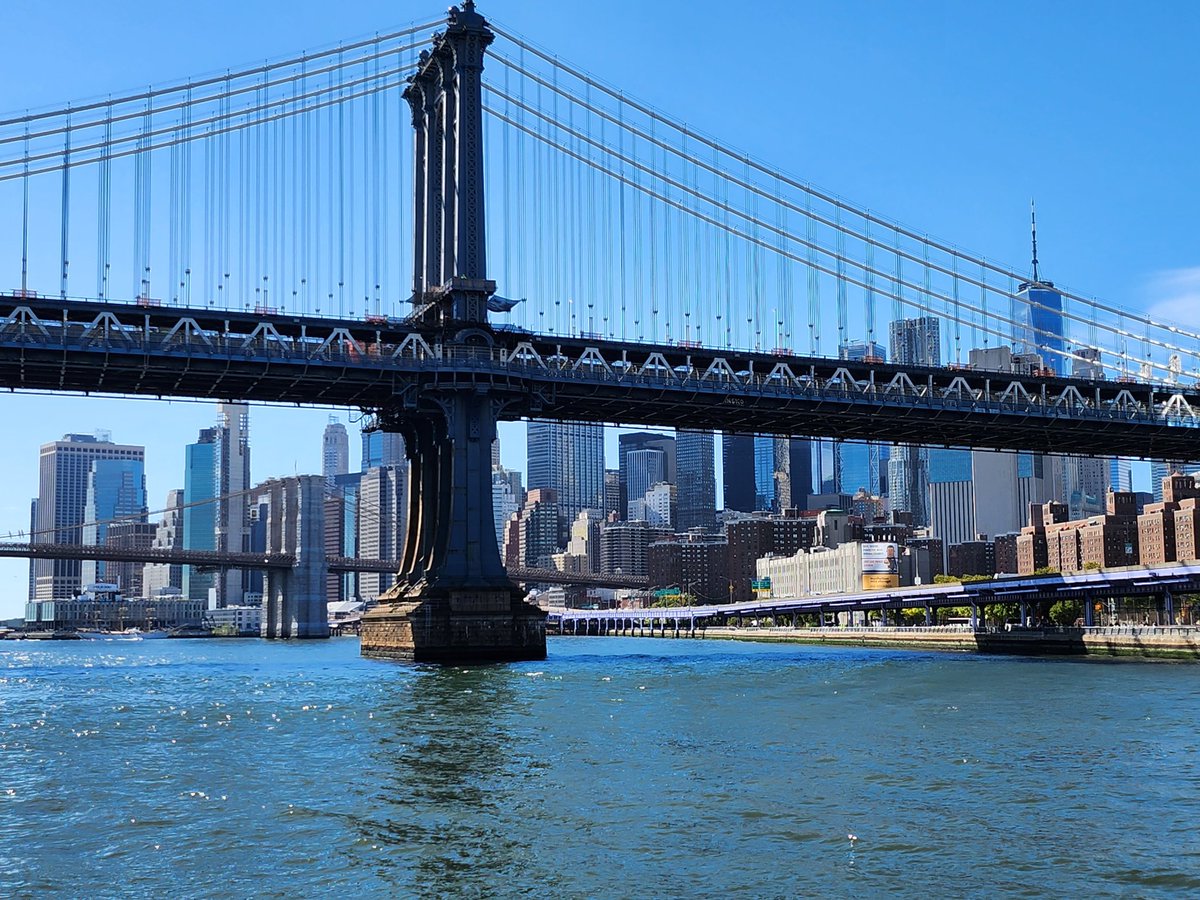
946 116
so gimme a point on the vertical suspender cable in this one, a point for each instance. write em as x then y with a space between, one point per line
957 318
983 303
814 284
148 176
104 210
186 239
223 181
870 292
65 220
173 217
351 182
623 286
341 190
25 219
370 186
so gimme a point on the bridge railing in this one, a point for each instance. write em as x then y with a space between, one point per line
132 332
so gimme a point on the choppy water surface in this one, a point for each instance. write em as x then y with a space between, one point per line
618 767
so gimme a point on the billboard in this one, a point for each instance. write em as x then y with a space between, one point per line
880 566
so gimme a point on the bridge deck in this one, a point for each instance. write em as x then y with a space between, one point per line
122 349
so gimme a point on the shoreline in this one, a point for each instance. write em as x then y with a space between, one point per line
1150 642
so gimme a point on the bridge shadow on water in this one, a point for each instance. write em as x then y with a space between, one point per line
446 780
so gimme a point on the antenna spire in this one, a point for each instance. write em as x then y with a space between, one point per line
1033 227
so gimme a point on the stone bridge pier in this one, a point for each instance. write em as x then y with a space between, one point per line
294 599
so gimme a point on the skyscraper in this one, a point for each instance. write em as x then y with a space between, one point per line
696 494
915 342
612 493
767 450
1039 317
382 502
381 448
232 469
642 440
973 492
160 577
65 474
199 510
795 474
763 472
567 458
504 502
644 469
737 466
335 451
1120 475
116 491
860 465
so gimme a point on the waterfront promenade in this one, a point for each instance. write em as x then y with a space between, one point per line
1151 641
1165 642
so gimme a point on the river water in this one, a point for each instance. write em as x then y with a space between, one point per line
617 767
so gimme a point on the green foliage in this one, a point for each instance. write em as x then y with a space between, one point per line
970 579
1091 566
999 613
1065 612
1046 570
671 600
946 579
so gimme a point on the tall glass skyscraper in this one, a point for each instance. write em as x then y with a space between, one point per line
861 465
633 441
1120 475
116 490
567 458
696 494
65 477
1039 327
381 448
644 469
764 472
737 470
915 342
199 516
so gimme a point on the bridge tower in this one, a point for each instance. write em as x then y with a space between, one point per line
453 600
294 599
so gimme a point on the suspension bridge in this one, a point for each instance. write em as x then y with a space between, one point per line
244 237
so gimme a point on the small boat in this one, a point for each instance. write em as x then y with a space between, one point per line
130 634
151 634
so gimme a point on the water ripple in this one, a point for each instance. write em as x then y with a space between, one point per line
617 767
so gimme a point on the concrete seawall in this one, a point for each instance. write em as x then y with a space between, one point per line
1150 642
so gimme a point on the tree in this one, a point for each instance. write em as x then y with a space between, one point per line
1046 570
1091 566
1065 612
